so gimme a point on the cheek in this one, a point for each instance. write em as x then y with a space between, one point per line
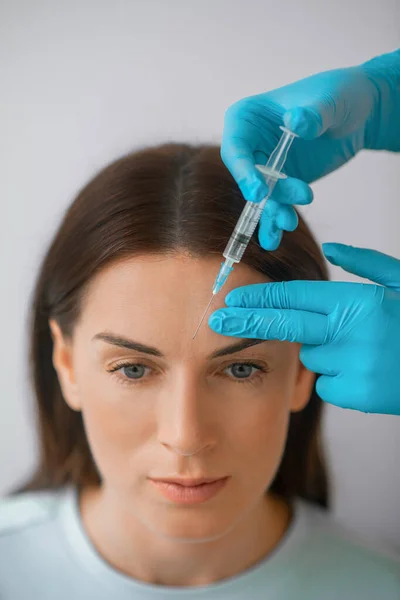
261 426
118 425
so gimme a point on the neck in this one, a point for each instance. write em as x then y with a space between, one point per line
133 549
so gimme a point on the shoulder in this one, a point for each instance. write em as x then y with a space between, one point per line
26 510
351 558
35 560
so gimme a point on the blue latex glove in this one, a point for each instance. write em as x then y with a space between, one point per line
350 331
336 113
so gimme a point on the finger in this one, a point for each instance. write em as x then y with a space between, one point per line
287 218
270 236
283 215
264 324
370 264
340 391
316 296
273 222
320 359
292 191
310 122
330 390
237 155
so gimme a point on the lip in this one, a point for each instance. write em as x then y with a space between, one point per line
189 491
187 482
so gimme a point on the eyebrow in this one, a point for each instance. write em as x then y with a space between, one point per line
121 342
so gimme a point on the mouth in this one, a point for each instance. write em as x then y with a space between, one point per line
187 482
189 491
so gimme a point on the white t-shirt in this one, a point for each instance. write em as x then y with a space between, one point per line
45 554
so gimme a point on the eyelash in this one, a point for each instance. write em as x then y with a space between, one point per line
126 381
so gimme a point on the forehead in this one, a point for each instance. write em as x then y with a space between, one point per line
158 300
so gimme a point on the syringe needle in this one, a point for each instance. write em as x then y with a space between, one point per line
202 318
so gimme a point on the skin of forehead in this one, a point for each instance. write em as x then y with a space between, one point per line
159 300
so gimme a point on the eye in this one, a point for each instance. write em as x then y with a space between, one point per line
129 372
244 370
135 371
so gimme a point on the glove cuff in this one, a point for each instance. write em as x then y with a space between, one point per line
383 128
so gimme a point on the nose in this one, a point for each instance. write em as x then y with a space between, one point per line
185 424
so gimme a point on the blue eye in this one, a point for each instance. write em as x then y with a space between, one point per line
242 370
130 372
135 371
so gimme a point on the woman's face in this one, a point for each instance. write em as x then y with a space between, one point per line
157 404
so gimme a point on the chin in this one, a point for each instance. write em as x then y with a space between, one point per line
189 526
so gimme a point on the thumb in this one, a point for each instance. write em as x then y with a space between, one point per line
310 122
370 264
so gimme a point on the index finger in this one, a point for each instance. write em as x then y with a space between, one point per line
238 157
316 296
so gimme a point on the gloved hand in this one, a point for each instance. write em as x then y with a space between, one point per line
336 113
350 331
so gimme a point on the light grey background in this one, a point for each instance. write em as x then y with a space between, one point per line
84 81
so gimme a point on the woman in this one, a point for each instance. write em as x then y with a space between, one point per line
171 467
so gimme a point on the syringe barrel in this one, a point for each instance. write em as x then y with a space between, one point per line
246 226
252 211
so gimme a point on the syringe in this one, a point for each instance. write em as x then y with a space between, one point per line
250 215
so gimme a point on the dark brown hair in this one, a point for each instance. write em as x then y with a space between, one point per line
166 199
